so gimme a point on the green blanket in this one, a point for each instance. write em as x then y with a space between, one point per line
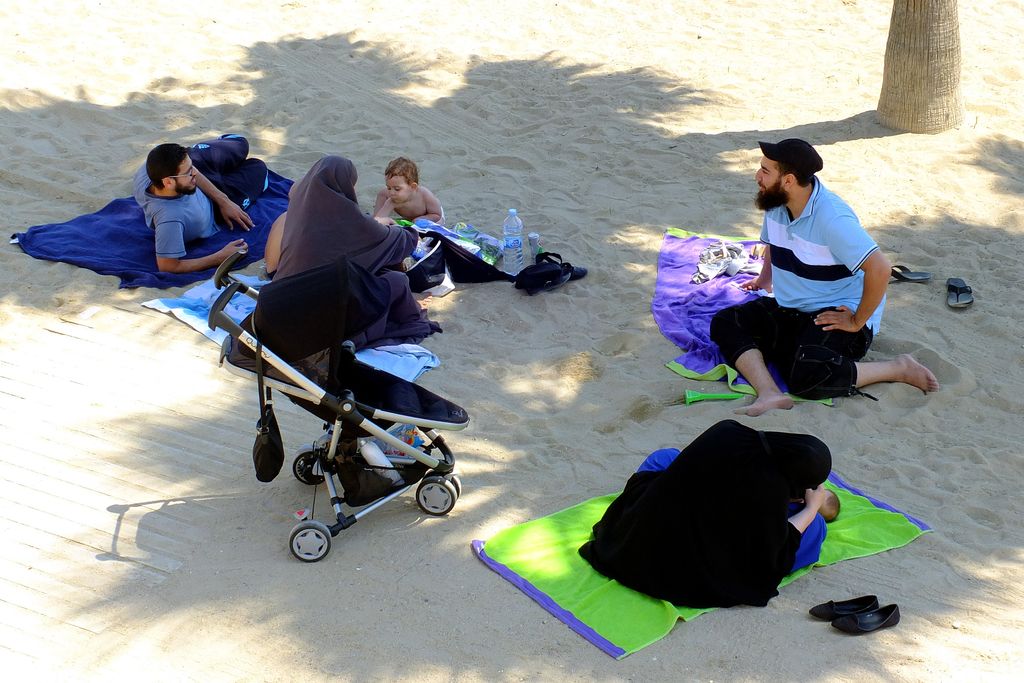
540 558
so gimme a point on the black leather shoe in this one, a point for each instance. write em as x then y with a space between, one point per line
827 611
866 622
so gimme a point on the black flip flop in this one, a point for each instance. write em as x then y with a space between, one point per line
829 611
904 274
866 622
958 293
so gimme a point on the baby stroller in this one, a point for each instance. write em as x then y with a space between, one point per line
292 343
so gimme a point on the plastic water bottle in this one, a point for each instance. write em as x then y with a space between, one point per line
375 457
512 246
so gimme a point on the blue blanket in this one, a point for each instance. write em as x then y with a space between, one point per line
116 240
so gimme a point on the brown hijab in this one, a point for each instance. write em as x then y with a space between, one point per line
324 222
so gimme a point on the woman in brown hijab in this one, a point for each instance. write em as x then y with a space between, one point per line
324 221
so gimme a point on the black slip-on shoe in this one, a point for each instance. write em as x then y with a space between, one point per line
866 622
827 611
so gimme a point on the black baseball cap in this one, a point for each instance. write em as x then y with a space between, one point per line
795 153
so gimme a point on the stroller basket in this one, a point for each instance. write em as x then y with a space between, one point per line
298 326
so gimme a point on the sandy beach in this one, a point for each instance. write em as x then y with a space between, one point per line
137 541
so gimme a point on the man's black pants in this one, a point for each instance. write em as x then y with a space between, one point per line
814 363
225 163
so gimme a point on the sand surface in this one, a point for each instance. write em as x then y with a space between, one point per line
136 541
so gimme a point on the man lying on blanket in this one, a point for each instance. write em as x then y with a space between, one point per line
186 192
829 280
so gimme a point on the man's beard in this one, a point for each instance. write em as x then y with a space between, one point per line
187 190
771 197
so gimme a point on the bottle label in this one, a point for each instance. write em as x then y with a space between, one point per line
513 242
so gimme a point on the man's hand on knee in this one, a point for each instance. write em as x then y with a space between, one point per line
842 319
234 215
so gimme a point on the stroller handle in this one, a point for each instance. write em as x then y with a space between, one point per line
222 277
218 318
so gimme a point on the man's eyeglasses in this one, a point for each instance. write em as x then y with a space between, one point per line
190 172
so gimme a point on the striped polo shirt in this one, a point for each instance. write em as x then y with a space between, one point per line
816 258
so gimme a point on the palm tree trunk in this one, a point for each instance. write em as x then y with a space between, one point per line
921 81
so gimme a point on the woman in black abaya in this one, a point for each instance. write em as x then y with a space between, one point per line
714 529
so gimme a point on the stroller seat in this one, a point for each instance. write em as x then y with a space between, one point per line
293 343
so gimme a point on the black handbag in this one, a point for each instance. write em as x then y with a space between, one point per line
548 273
268 449
451 260
430 271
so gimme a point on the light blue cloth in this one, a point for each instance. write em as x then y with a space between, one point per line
816 258
193 307
407 361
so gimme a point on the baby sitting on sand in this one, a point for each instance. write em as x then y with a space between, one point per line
405 196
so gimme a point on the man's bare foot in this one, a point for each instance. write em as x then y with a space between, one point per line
425 302
762 404
916 375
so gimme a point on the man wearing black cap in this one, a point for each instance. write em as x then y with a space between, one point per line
829 280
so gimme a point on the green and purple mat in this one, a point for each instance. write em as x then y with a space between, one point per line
541 559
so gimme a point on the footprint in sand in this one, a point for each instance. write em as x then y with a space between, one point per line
579 367
643 409
947 373
509 162
984 517
619 343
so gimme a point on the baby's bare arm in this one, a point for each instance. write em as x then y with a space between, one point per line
432 206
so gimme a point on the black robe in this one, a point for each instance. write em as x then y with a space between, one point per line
712 530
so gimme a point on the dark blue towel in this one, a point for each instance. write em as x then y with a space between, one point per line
116 240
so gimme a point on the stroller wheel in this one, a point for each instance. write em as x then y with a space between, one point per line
456 482
310 541
305 468
436 495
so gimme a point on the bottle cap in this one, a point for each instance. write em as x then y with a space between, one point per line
512 212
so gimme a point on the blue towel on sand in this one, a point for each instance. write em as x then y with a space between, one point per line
116 240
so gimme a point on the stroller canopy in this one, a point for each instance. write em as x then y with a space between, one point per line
318 309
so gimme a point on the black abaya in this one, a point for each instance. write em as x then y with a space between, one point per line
712 530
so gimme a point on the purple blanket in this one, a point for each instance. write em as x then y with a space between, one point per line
683 310
116 240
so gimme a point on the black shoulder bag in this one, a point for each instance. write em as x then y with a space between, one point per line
268 449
